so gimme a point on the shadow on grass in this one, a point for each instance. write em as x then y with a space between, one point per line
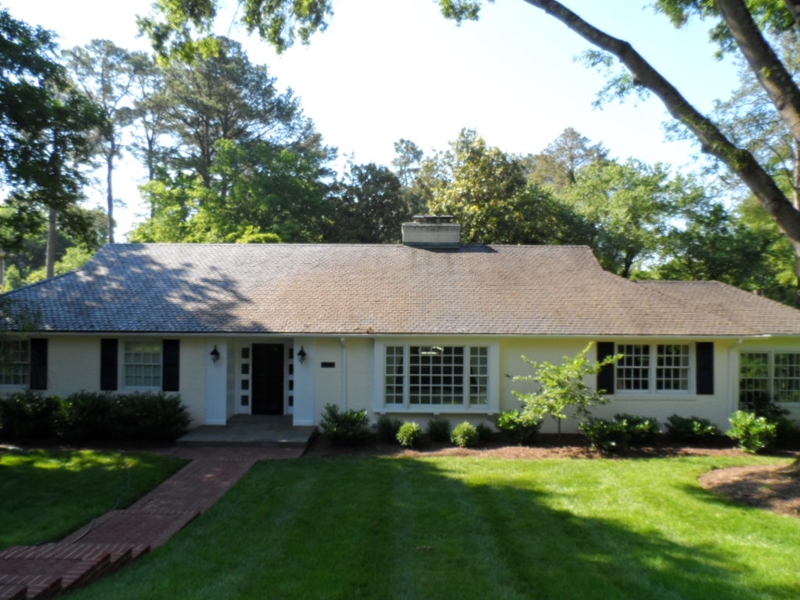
388 528
47 494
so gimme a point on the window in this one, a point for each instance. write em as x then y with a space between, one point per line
14 362
765 376
142 364
425 377
672 367
657 367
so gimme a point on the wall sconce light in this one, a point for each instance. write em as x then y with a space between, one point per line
215 354
301 356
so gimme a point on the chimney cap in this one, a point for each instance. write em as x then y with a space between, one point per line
432 231
432 218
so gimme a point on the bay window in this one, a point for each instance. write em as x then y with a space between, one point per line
431 377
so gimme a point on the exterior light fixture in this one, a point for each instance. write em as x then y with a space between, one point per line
431 351
301 356
215 354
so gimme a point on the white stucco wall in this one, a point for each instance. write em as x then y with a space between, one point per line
73 365
355 379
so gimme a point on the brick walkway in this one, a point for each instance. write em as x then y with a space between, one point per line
120 536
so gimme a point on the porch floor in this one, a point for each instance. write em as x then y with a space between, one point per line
251 430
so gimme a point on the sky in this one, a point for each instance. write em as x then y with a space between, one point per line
387 70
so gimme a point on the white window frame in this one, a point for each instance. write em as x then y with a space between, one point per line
771 364
10 349
491 377
653 368
125 365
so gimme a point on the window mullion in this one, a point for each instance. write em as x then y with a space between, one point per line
466 376
406 376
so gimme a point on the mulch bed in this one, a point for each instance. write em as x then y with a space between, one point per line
770 487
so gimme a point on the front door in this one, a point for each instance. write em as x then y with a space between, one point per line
267 379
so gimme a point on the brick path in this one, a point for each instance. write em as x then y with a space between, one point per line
120 536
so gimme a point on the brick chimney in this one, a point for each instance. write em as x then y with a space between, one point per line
432 231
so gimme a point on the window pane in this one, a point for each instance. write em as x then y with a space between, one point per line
393 375
14 362
754 378
787 377
436 369
672 367
478 375
142 366
633 369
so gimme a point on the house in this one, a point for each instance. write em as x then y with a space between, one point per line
425 328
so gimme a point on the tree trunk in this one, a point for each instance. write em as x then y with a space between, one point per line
110 191
52 240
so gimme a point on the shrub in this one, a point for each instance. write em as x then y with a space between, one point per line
753 433
522 427
85 416
563 386
439 429
485 432
344 428
605 435
139 416
409 435
27 415
149 416
388 428
787 433
642 430
691 429
620 433
465 435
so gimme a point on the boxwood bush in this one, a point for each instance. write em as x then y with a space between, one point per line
620 433
94 416
388 428
465 435
27 416
439 429
692 430
522 427
410 434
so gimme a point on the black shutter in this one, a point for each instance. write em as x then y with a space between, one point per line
605 378
705 368
170 365
109 364
38 363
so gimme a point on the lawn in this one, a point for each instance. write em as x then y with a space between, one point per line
47 494
466 528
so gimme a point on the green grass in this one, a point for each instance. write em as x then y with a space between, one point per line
47 494
462 528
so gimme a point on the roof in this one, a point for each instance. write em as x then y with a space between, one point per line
296 289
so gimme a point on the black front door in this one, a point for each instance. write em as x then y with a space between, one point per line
267 379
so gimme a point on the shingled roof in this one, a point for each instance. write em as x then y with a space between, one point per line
296 289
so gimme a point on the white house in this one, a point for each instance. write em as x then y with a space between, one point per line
425 328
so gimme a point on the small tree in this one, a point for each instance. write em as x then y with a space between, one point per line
563 386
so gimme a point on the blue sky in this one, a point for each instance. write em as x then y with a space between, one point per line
391 69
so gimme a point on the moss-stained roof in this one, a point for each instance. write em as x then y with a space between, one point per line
385 289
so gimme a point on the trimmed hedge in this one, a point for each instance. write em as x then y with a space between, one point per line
94 416
27 416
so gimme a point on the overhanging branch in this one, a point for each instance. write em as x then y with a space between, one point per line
713 141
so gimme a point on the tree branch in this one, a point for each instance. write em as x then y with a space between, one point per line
713 141
794 8
764 63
